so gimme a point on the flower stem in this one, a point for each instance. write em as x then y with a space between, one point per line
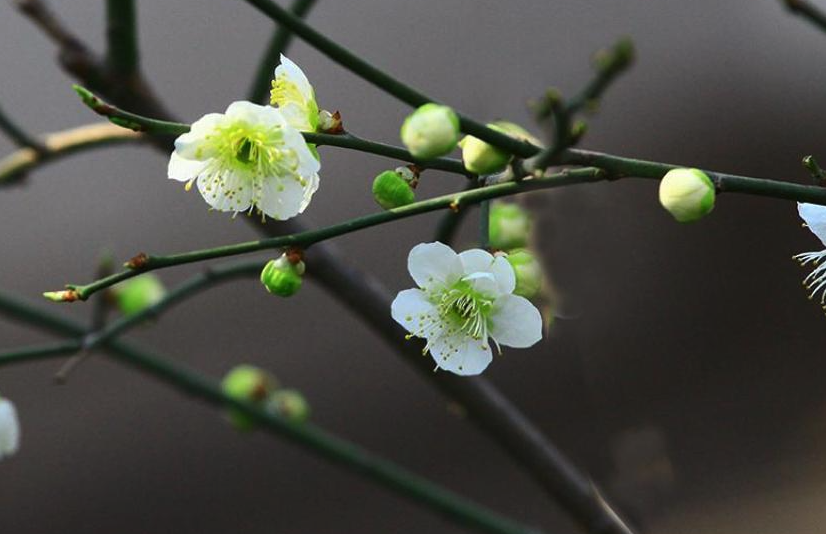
18 135
278 44
808 11
458 200
313 438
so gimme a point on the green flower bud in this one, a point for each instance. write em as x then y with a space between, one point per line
688 194
528 271
290 404
430 131
482 158
247 383
392 189
136 294
510 226
282 277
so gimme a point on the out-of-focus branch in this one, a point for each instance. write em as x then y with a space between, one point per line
280 41
60 144
17 134
334 449
122 37
78 60
808 11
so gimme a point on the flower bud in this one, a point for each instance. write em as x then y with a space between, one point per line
430 131
290 404
9 429
282 277
136 294
528 271
392 189
250 384
510 226
688 194
481 158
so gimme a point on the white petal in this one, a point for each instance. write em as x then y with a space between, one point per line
282 198
307 164
434 264
815 218
294 74
409 307
461 354
296 116
478 260
9 429
191 145
226 191
484 283
515 322
243 111
309 191
183 169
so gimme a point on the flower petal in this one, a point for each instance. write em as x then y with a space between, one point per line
309 190
249 113
183 169
815 218
478 260
484 283
226 191
294 74
434 264
461 354
307 163
9 429
515 322
192 144
282 198
410 307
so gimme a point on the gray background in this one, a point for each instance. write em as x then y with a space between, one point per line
693 347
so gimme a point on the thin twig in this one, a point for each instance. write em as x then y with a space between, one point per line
311 437
278 44
143 262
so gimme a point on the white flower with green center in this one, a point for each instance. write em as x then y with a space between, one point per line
815 218
462 301
248 158
294 96
9 429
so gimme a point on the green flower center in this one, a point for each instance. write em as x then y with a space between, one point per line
256 149
465 308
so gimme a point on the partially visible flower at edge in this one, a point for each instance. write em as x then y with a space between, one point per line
815 218
9 429
294 96
248 158
464 299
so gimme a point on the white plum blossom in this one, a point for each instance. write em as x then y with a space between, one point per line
815 218
462 300
248 158
294 96
9 429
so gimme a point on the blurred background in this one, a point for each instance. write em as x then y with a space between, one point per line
685 372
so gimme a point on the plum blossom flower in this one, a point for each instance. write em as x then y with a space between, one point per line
9 429
248 158
462 301
294 96
815 218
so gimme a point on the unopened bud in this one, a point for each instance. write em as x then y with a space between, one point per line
510 226
528 271
688 194
290 404
283 277
330 122
249 384
66 295
136 294
430 131
392 189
